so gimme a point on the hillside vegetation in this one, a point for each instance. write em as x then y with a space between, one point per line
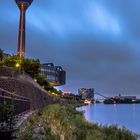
63 122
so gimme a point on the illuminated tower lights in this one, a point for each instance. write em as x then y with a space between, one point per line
23 6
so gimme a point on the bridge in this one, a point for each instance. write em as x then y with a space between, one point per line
101 95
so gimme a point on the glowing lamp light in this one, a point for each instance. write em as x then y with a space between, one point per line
87 102
17 65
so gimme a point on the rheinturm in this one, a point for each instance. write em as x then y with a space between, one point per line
23 6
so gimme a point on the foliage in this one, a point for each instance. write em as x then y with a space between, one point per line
35 122
41 80
64 122
114 133
70 123
72 97
30 66
8 111
1 54
12 61
54 90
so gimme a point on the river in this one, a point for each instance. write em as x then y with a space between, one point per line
127 115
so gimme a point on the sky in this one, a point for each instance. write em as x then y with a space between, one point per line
95 41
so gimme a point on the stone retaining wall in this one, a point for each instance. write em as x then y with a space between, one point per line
23 85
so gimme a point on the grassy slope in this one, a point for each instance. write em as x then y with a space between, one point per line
65 123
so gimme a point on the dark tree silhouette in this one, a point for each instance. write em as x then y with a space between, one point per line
1 54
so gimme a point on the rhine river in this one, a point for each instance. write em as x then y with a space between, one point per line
127 115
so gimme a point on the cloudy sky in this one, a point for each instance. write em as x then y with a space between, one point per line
97 42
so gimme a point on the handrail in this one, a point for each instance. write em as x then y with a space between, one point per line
9 94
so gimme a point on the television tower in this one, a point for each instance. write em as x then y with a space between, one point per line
23 6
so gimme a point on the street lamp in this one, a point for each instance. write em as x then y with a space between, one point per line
17 65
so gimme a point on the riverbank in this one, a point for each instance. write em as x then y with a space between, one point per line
63 122
124 115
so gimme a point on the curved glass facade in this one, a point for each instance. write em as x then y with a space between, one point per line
55 75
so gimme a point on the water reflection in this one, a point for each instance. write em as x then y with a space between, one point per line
120 114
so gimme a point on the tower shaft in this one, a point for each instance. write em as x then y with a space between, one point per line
21 38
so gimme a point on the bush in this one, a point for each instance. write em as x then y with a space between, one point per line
30 66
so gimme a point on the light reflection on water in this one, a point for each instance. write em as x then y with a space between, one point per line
127 115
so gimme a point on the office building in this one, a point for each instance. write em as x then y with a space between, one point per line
86 93
55 75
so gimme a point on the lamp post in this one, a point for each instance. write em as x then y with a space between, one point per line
23 6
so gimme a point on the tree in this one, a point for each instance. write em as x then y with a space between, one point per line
32 67
12 61
1 54
41 80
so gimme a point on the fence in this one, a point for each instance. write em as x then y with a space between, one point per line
20 103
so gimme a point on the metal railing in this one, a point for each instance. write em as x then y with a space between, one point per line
20 103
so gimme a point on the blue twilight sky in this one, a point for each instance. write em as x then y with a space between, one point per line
97 42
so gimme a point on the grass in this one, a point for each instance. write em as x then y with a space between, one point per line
63 122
